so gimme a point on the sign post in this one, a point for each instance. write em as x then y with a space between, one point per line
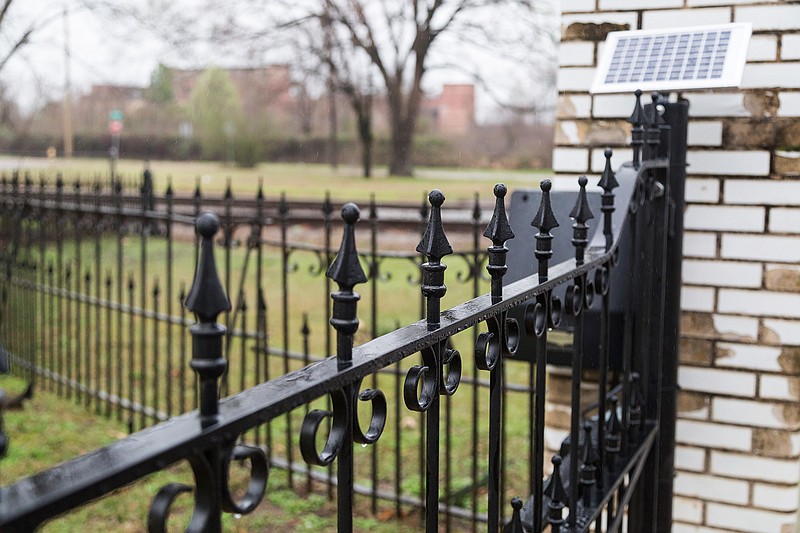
115 129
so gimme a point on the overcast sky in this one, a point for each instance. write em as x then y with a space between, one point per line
107 51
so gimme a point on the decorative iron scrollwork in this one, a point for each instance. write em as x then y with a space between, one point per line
336 436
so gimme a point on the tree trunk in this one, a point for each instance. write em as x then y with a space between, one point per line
400 161
366 156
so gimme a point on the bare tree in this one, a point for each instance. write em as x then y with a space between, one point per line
402 40
16 36
400 37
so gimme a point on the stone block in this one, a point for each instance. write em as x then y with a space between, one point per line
786 163
591 31
749 134
773 442
762 103
696 351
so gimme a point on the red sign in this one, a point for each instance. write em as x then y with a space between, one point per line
115 127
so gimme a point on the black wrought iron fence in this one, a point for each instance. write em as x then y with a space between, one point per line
96 337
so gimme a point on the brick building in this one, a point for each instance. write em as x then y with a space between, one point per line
738 432
452 110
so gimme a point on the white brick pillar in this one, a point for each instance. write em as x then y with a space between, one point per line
738 433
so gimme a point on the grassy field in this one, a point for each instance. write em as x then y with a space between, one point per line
298 180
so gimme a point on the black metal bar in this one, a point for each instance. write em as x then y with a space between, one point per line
579 297
542 314
676 116
284 214
493 346
170 295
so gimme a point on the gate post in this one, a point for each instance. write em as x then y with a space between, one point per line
677 117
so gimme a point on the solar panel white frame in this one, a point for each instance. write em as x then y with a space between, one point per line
695 57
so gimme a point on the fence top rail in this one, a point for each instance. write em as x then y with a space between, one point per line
32 500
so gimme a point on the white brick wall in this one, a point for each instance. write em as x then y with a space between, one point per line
738 434
790 46
570 159
747 519
687 458
704 133
685 17
697 244
720 436
789 104
724 218
722 273
784 17
697 299
777 388
575 106
688 509
739 326
788 331
702 190
750 413
759 303
578 5
617 18
575 79
771 75
728 163
711 488
776 498
576 54
606 5
717 381
762 192
763 48
784 220
743 466
750 356
761 247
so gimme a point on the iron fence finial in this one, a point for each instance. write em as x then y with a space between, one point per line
207 299
499 231
556 494
637 119
515 526
581 213
346 268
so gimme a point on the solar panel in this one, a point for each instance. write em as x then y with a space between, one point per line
697 57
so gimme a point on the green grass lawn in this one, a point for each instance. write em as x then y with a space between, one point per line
298 180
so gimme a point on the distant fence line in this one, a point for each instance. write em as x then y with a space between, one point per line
106 267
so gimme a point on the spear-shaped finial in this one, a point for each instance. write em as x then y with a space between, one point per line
654 122
434 245
499 231
581 213
544 220
346 271
556 494
589 460
637 119
608 182
346 268
207 299
613 429
515 526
